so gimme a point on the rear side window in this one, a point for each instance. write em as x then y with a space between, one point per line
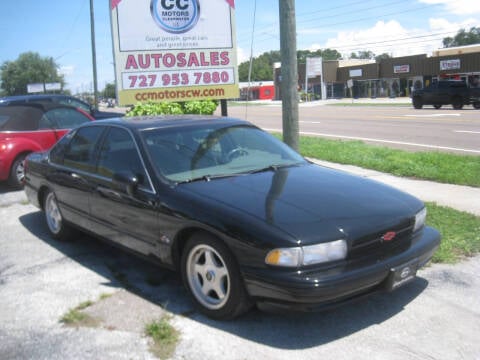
75 103
65 117
80 153
19 118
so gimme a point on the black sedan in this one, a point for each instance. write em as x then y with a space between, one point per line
244 218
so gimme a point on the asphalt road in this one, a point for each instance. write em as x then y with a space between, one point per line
400 127
435 317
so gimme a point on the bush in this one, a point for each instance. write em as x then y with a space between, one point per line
204 107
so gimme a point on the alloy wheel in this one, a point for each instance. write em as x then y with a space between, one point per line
208 276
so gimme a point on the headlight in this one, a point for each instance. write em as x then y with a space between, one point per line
420 218
308 255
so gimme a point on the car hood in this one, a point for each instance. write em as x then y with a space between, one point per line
310 202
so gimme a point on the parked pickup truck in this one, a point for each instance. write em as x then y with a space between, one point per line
445 92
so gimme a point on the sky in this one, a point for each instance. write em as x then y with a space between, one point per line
61 29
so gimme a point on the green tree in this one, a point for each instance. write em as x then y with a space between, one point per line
330 54
109 92
29 68
381 57
364 54
463 38
262 66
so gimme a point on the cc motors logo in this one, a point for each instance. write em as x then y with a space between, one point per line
175 16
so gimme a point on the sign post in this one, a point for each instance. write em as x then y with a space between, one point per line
313 68
174 50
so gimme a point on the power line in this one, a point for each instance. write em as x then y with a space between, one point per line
72 27
356 11
359 10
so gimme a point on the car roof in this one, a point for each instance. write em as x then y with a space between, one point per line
43 106
25 116
30 98
170 121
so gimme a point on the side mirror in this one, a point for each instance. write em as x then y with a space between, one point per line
126 181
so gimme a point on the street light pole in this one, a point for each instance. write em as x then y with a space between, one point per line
94 56
289 84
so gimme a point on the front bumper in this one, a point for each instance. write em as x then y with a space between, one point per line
317 289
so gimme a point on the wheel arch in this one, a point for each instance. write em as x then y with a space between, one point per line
185 234
42 193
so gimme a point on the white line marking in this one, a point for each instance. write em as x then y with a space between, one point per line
382 141
433 115
310 122
467 132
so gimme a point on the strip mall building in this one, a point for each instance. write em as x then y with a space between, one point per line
390 77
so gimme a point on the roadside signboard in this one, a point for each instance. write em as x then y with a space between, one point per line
35 88
53 86
174 50
451 64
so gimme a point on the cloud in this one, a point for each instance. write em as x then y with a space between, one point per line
457 7
394 39
380 39
67 70
241 56
441 24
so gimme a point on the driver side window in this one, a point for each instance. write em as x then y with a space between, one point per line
80 153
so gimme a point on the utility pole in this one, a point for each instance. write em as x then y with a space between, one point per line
94 56
289 82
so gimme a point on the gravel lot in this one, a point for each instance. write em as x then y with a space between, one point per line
435 317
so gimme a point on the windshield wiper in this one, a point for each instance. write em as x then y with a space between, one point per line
273 167
209 177
206 178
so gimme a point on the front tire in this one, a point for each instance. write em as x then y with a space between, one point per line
417 102
476 105
211 275
437 106
56 225
17 172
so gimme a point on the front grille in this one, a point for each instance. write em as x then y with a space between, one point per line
374 244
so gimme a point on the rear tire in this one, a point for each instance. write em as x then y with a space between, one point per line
56 225
212 277
457 103
17 172
476 105
436 106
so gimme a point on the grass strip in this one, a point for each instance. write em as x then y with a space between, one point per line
165 337
435 166
75 316
460 233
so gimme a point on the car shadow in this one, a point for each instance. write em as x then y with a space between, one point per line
5 188
164 288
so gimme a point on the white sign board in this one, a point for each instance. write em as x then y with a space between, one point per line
450 64
401 69
355 72
174 50
53 86
35 88
314 66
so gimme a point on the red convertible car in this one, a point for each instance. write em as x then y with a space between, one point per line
29 127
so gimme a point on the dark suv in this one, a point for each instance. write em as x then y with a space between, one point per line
60 100
445 92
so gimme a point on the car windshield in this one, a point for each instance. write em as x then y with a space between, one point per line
192 153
